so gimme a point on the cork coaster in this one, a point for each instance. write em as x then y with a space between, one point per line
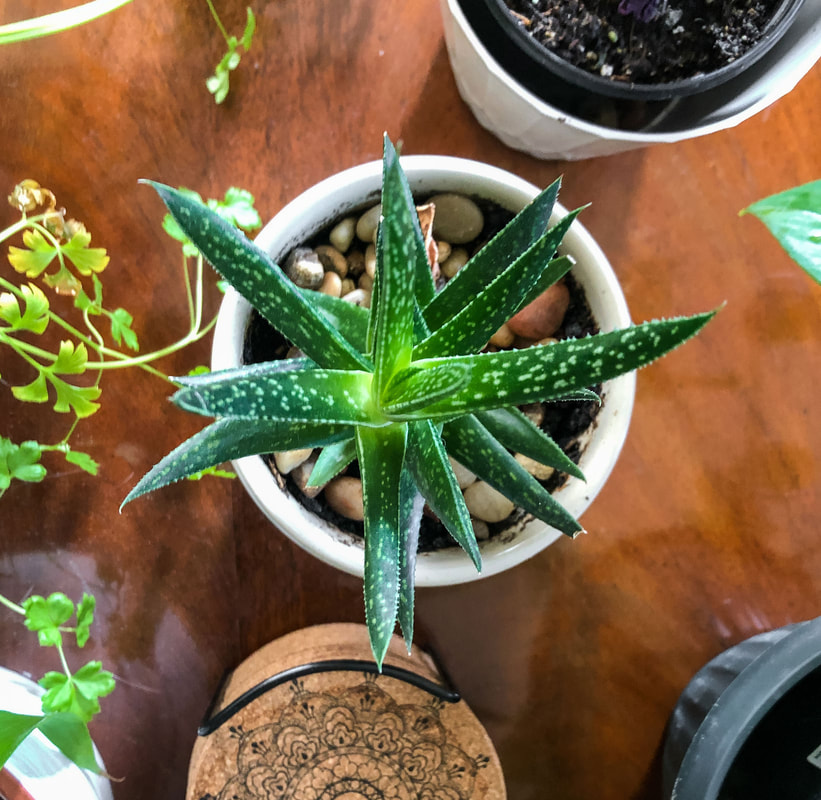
307 718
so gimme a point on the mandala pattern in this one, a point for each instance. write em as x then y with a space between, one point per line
354 744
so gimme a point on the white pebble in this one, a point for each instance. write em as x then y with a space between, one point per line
359 297
485 503
287 460
304 268
367 224
480 530
370 260
342 234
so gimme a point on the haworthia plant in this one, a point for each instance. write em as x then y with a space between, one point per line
400 386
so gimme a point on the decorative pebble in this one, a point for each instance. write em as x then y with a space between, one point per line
294 352
370 260
503 337
485 503
444 250
347 286
544 315
464 477
332 259
302 473
331 284
342 234
356 263
365 282
458 219
535 468
367 224
304 268
287 460
480 530
359 297
344 495
455 261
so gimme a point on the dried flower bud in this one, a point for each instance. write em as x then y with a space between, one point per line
28 195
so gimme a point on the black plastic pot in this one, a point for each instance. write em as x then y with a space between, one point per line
593 97
749 723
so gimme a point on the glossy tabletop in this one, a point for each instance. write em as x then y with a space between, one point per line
707 532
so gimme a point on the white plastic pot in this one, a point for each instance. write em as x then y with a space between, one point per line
37 765
525 122
353 190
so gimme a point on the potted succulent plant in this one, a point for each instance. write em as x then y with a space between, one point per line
573 80
403 384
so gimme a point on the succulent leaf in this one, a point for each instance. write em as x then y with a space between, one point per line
414 389
545 372
227 439
306 395
428 460
469 442
516 432
469 330
257 278
331 461
516 237
349 319
412 504
395 267
381 452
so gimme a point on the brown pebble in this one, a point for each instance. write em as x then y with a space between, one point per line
332 259
344 495
544 315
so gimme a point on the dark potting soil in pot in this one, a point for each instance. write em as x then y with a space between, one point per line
685 37
782 756
565 422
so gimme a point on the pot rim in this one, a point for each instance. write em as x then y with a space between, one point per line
321 204
741 707
542 58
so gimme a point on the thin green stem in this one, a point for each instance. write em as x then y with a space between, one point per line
218 21
13 606
19 346
188 294
22 224
57 22
63 661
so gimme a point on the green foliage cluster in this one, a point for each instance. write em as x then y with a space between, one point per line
403 384
57 253
218 83
71 699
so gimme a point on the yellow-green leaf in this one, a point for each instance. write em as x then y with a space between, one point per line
71 360
34 392
36 258
86 259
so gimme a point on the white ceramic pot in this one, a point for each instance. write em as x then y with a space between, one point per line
352 190
37 765
525 122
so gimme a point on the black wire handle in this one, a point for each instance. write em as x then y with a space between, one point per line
212 722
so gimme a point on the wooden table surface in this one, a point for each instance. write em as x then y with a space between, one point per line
706 533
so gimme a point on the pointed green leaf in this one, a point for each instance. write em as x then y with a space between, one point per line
380 453
331 461
70 735
470 329
227 439
519 234
469 443
393 311
415 389
269 392
412 504
794 218
516 432
428 461
255 276
545 372
349 319
14 728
